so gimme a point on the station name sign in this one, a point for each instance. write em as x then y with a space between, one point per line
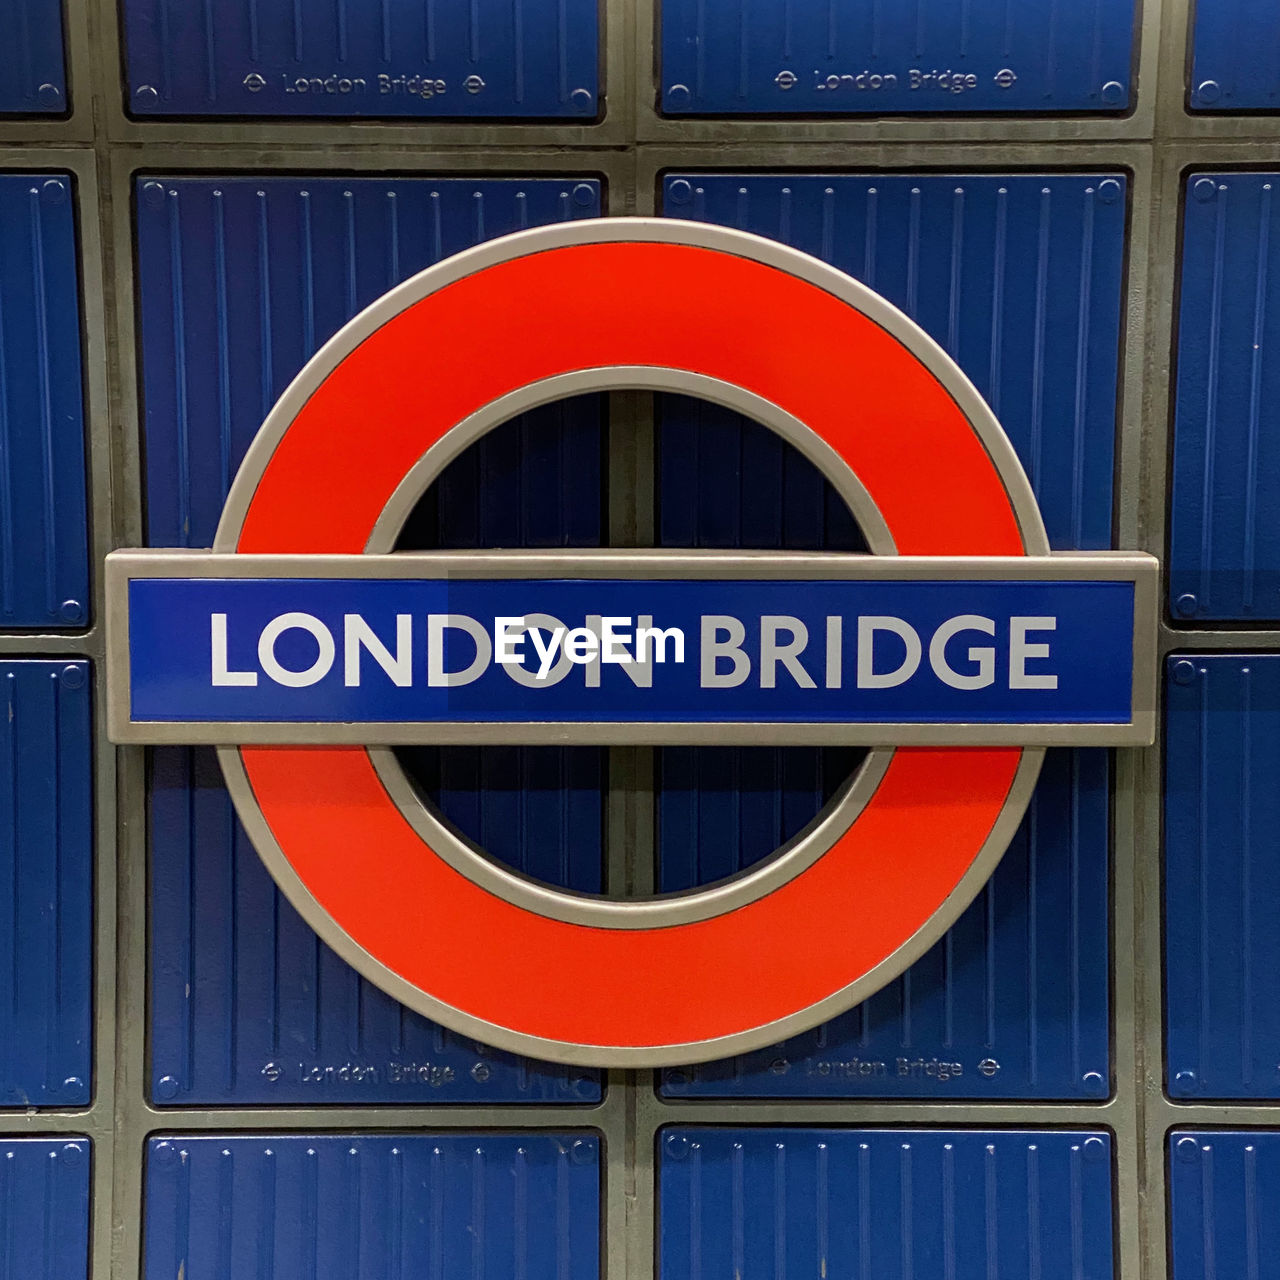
677 647
305 648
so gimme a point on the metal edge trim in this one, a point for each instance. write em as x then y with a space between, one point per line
220 733
605 562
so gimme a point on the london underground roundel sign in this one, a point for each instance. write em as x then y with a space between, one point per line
306 648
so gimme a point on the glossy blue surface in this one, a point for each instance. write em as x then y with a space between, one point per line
33 78
1010 652
893 1204
1221 813
44 1221
249 1007
240 280
1223 1186
44 536
333 1207
735 57
524 59
1018 276
1224 545
1012 1003
1235 57
46 866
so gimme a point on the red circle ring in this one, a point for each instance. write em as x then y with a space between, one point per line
662 295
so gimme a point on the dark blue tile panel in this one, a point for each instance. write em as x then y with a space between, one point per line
44 552
724 481
333 1207
237 291
1012 1003
537 481
242 279
46 868
520 59
1223 1189
1235 56
33 78
44 1221
1018 276
1222 878
739 57
249 1007
1224 545
890 1203
723 809
539 810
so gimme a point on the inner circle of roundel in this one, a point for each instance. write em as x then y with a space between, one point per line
340 847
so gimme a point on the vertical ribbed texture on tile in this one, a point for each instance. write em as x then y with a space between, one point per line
248 1006
537 809
46 884
1013 1002
537 481
1235 56
886 1204
241 280
1222 880
44 1208
725 481
1223 1188
32 60
484 58
1017 276
721 809
743 57
1224 549
363 1207
44 565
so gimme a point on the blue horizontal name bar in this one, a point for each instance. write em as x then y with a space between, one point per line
386 651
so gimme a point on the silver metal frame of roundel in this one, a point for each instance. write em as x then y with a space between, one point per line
841 814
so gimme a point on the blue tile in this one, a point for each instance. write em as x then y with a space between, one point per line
1018 276
1014 1001
236 293
748 57
724 481
33 78
46 864
722 809
1224 549
1235 57
537 481
1223 1188
242 279
249 1007
517 59
332 1207
539 810
44 1208
1221 881
44 551
889 1203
